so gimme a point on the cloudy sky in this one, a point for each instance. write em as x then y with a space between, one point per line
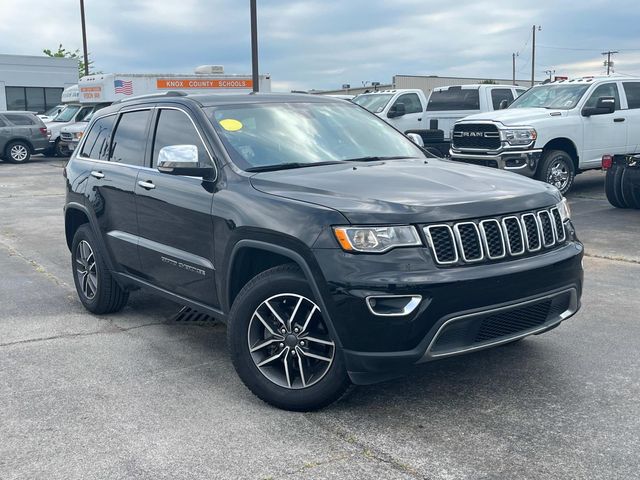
325 43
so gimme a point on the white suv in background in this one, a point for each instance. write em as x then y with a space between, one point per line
556 130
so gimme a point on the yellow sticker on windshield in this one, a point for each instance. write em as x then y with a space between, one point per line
231 124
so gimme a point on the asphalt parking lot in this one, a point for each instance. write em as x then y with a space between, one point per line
141 394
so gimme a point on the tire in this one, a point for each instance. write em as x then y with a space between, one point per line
58 151
278 381
102 294
17 152
613 187
630 187
557 168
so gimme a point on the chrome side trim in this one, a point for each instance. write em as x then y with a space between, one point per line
571 310
411 305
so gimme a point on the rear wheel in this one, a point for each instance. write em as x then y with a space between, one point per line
280 345
96 287
630 187
557 168
17 152
613 187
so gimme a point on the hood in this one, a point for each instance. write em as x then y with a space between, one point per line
513 117
75 127
409 191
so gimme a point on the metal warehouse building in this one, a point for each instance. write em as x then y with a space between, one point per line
426 83
34 83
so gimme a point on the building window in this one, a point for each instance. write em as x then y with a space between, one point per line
35 99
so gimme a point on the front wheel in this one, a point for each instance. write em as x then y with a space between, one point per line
557 168
17 152
280 344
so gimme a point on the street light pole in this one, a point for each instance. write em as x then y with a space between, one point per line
533 54
513 65
254 46
84 39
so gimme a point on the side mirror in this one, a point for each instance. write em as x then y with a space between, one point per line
397 110
416 138
503 104
181 160
603 106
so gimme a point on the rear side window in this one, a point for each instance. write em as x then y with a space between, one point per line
411 102
96 145
18 119
175 128
632 90
454 99
130 139
500 94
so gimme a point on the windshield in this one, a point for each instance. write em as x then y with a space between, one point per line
374 102
561 96
67 114
262 135
53 111
454 99
88 116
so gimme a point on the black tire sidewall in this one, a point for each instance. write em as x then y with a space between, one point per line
549 158
10 145
272 282
613 187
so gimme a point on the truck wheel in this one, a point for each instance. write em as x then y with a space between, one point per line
58 150
630 187
557 168
17 152
280 345
96 287
613 187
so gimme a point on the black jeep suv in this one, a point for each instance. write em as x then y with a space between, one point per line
334 248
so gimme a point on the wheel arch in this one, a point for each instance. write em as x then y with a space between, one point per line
566 145
22 140
273 252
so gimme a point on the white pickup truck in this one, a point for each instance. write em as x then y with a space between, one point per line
556 130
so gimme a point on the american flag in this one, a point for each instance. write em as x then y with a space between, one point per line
123 86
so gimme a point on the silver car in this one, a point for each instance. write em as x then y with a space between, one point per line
21 135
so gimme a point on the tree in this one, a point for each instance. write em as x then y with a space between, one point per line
489 82
64 53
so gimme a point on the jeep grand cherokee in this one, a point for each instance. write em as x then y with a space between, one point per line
335 249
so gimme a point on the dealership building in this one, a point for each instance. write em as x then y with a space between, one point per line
34 83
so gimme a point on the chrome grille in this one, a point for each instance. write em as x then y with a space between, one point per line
67 137
495 238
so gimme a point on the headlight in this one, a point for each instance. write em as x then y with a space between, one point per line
563 208
376 239
519 136
78 135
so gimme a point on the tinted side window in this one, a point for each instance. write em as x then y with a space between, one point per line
454 99
175 128
19 119
130 138
2 122
411 102
632 90
499 94
96 145
604 90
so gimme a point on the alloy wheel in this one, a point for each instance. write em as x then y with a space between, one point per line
86 270
289 341
558 174
19 152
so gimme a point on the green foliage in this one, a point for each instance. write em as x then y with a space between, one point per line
76 55
489 82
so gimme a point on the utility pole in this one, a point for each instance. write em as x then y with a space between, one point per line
513 65
533 54
608 63
84 39
549 72
254 46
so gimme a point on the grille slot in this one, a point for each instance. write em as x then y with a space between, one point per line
476 136
495 238
548 236
468 237
513 321
513 232
559 226
442 243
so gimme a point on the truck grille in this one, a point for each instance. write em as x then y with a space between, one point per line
495 238
483 136
67 137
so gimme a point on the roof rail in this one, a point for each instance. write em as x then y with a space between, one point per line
170 93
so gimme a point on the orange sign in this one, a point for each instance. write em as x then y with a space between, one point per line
90 93
185 83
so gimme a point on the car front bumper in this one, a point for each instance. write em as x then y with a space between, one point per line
458 302
524 162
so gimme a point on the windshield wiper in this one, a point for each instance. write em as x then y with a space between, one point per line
287 166
374 159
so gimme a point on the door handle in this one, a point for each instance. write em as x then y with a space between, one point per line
146 185
97 175
420 119
618 119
